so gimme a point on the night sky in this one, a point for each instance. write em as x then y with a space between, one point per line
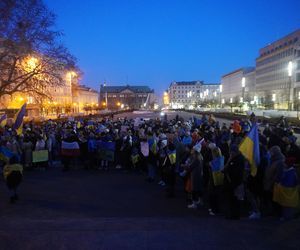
155 42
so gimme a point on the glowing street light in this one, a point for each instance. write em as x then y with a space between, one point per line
290 72
290 68
243 82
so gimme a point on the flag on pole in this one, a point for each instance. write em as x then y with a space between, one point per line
3 120
249 147
18 120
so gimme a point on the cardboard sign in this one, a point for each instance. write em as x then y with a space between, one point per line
145 148
39 156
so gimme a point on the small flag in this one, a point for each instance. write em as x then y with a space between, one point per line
70 149
286 192
18 124
3 120
217 166
249 147
5 154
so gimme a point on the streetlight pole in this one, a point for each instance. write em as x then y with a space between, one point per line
290 71
221 89
243 90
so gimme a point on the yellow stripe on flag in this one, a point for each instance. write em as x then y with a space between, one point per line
246 148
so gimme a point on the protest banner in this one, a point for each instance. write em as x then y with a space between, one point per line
106 150
39 156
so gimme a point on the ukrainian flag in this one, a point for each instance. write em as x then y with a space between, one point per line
152 145
249 147
18 125
217 166
5 154
3 120
172 157
286 190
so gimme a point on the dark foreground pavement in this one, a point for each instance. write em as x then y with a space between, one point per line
116 210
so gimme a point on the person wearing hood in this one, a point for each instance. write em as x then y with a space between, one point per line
196 175
271 174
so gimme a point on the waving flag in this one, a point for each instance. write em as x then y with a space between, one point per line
3 120
217 166
18 125
249 147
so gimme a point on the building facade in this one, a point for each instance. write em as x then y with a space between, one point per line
278 73
238 86
127 96
85 99
191 94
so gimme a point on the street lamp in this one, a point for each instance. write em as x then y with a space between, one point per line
221 90
290 72
274 99
298 105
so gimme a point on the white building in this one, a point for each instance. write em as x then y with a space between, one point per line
278 73
192 94
239 86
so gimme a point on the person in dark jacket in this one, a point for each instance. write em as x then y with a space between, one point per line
233 183
13 173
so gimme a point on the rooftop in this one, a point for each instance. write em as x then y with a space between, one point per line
86 88
133 88
244 70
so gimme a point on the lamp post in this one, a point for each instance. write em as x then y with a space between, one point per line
106 106
243 88
274 99
221 90
298 104
290 72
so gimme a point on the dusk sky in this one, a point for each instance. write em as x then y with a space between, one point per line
155 42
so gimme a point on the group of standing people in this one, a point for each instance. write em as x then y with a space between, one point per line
200 155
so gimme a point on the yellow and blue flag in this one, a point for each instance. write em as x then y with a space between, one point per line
217 166
3 120
249 147
18 120
5 154
172 156
286 191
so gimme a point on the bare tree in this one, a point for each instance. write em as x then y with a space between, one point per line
32 59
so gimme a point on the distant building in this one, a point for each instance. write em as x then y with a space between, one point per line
278 72
59 101
238 86
188 94
85 99
127 96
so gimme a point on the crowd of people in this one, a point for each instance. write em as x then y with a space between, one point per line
199 154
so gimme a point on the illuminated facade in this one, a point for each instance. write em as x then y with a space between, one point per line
238 86
193 93
127 96
85 99
278 72
67 98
